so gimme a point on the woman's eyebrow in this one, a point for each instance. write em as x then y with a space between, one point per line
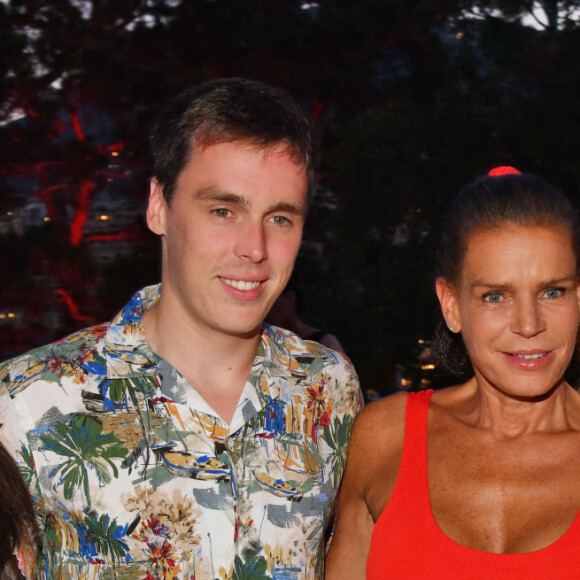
480 283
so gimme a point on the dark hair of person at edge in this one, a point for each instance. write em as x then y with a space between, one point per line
226 111
18 530
503 196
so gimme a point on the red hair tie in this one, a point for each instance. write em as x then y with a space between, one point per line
504 170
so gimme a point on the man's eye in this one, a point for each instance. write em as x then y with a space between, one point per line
554 292
222 212
280 220
492 297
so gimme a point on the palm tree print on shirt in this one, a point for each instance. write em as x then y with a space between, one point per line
85 447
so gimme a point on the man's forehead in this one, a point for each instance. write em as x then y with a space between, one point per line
255 146
234 168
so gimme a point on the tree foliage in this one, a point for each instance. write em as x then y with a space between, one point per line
409 101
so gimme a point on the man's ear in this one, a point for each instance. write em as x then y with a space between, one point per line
156 208
449 307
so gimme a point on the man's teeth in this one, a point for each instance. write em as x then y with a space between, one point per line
241 284
531 356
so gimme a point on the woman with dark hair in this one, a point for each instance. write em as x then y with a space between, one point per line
19 537
480 480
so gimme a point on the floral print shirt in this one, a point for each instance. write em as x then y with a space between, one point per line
136 477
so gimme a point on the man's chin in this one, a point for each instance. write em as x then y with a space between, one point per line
246 332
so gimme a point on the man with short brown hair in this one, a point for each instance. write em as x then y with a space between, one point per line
187 439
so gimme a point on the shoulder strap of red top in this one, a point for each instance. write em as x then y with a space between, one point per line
413 477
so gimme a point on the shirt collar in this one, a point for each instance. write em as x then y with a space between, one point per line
282 357
127 351
281 354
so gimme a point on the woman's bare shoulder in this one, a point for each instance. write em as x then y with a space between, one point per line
378 432
384 414
375 451
371 470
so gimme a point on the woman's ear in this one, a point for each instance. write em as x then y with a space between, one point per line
449 307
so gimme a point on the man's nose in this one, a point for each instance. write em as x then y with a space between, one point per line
251 243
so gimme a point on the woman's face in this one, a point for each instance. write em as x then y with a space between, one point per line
517 306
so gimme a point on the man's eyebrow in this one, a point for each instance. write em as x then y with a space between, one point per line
214 194
293 208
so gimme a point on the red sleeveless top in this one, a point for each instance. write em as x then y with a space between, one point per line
407 542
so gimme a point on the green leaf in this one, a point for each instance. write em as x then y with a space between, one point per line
253 568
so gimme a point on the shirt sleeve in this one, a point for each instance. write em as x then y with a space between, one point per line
346 400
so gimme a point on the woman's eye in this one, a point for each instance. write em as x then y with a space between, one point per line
493 297
554 292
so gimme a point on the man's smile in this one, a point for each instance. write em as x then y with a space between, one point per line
241 284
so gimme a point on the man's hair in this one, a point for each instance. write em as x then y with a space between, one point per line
488 203
225 111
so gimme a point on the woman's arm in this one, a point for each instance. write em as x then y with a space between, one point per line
372 466
347 556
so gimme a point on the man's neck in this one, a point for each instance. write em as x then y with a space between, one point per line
216 364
